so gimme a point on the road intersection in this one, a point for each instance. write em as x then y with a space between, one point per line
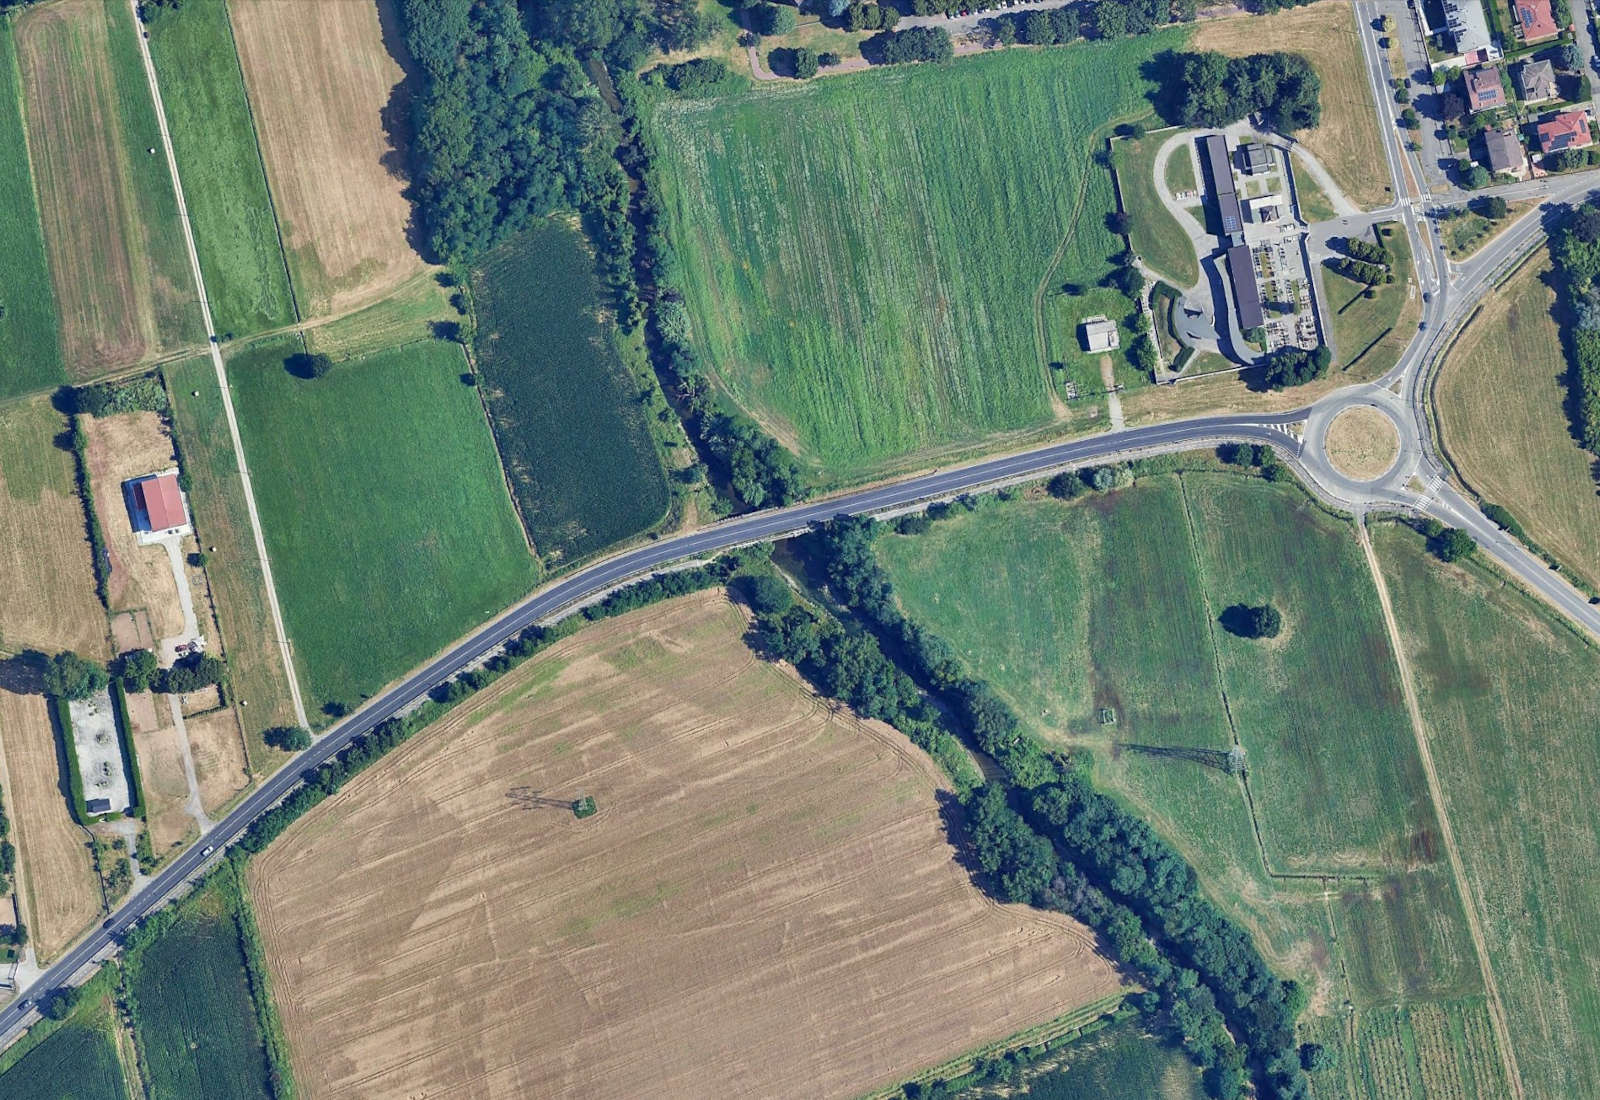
1417 483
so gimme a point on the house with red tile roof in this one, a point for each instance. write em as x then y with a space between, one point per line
1484 90
1567 130
1535 20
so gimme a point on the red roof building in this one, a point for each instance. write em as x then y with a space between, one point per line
161 501
1484 89
1568 130
1535 19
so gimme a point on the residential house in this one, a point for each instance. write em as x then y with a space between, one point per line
1469 29
1535 20
1504 153
1536 82
1484 90
1567 130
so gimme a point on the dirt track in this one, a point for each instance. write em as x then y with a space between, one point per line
766 904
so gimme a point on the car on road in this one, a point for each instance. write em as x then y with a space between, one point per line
208 849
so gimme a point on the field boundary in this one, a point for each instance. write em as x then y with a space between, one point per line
1469 903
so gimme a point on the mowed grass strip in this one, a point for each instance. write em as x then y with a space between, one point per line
1370 334
222 526
1156 235
1506 688
30 354
1327 35
386 515
570 428
224 185
861 255
121 278
1501 399
194 1019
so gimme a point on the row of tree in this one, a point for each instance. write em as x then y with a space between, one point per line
1359 271
1212 90
1042 834
1576 248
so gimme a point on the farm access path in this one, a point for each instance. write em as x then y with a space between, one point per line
213 346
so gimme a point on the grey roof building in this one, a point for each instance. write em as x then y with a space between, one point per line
1536 81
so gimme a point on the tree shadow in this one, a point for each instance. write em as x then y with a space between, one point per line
396 120
24 673
1164 71
1236 620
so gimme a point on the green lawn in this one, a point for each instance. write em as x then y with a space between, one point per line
1506 689
1155 233
1370 334
1180 169
30 351
222 524
861 256
224 182
386 513
1112 601
563 404
194 1019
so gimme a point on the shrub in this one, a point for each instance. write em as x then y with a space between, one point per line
142 394
1263 621
288 738
1452 544
137 669
766 594
196 671
69 676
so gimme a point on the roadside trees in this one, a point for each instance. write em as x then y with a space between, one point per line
288 738
1452 544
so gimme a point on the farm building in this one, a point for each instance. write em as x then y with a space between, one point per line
1567 130
1536 81
1535 21
156 506
1099 334
1484 90
1503 151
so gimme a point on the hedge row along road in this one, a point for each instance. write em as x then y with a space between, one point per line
1452 292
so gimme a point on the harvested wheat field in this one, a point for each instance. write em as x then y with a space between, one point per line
47 598
120 447
166 788
766 903
1326 34
321 82
121 283
61 891
218 750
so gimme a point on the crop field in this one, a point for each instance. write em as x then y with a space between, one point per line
888 306
78 1061
404 317
1154 232
47 597
1326 34
255 663
1505 685
214 139
30 353
767 902
1123 1060
193 1015
61 892
387 520
1106 602
565 411
1426 1050
1370 334
121 278
1501 400
321 85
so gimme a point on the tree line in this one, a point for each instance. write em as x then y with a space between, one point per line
1041 833
1576 248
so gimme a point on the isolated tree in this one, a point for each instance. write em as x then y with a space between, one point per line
1119 223
1477 176
1245 621
1316 1058
805 63
1065 486
288 738
69 676
1568 58
59 1003
1452 544
1495 208
137 669
774 19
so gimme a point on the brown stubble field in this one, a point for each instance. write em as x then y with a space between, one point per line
61 892
47 598
166 789
320 80
114 251
766 904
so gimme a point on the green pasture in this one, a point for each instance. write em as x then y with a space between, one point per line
566 412
1123 1060
387 519
30 349
1153 231
863 256
224 182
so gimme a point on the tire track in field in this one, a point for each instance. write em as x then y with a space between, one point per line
1497 1012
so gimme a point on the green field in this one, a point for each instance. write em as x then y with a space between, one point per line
1443 1049
387 519
403 317
862 256
1112 602
76 1062
30 351
565 410
1180 171
1506 690
1154 232
224 183
1370 334
1123 1060
195 1022
222 524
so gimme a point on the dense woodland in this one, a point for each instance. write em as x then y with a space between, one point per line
1576 248
1043 835
1215 90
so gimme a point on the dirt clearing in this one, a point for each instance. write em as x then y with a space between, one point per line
218 749
1362 443
121 447
321 82
1326 34
166 789
62 891
47 598
766 903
